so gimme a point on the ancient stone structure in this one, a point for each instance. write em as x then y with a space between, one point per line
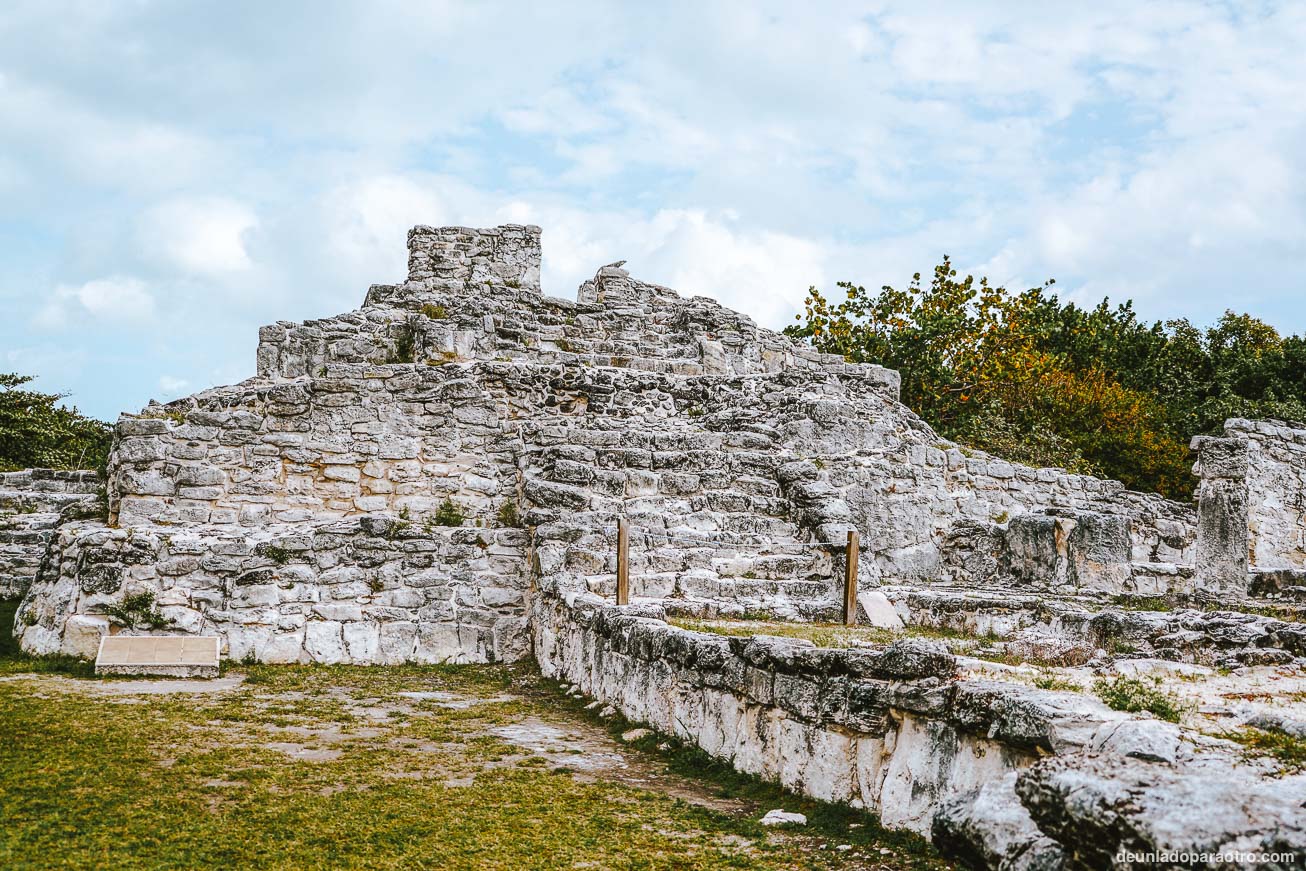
297 514
438 476
32 505
1252 499
1000 774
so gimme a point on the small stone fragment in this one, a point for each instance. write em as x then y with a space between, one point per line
780 817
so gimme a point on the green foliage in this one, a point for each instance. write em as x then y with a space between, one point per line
434 312
509 515
1050 680
35 431
1024 376
1289 750
405 335
1133 696
278 555
448 514
136 611
1130 602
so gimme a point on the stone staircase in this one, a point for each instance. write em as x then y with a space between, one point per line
710 530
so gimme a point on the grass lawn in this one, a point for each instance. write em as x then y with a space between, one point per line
412 767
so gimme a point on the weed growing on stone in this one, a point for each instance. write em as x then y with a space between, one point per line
448 514
405 334
1289 750
136 611
1050 680
1141 603
279 555
1133 695
434 312
509 515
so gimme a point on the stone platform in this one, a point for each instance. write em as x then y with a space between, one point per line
168 656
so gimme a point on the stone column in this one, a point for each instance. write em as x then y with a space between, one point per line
1221 515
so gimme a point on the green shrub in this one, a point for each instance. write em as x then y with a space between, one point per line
509 515
448 514
1133 695
136 611
36 431
434 312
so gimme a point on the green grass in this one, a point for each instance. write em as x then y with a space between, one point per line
1289 750
90 779
1050 680
1130 602
1133 695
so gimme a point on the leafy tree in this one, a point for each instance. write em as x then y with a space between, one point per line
1025 376
35 431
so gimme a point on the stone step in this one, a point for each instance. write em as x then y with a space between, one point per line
27 501
14 527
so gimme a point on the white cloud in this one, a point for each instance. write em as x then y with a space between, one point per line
198 236
114 300
172 385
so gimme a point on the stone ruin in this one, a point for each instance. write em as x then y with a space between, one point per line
438 475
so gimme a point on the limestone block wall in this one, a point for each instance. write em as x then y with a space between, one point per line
1276 493
358 439
366 590
33 503
929 510
885 730
1252 506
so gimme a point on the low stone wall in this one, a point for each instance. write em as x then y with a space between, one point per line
33 503
1000 775
887 730
367 590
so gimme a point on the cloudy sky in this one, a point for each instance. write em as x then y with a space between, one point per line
173 175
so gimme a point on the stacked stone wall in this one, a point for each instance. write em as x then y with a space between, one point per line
366 590
33 503
1252 507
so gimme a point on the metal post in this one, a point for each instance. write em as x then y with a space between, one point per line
623 562
850 580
